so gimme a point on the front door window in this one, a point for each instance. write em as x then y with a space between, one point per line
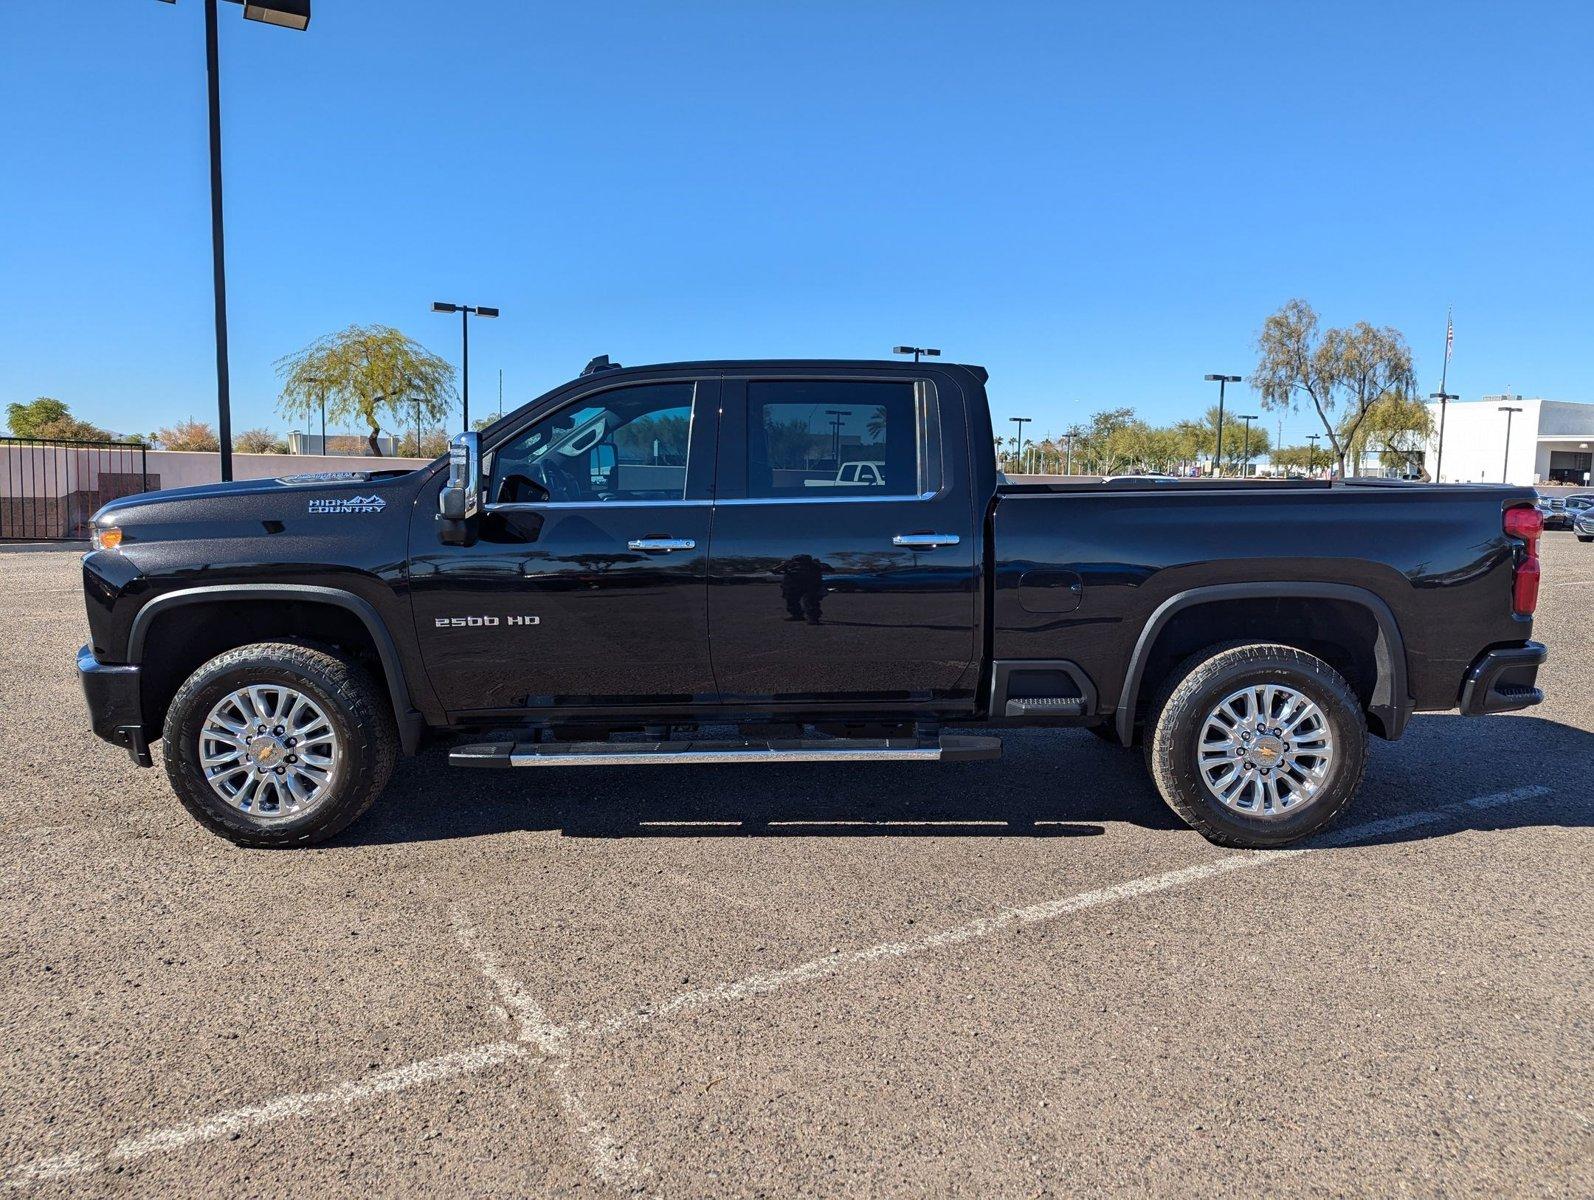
626 444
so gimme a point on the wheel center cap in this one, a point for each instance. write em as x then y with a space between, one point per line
1268 750
265 749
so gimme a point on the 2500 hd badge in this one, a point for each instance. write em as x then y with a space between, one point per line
474 622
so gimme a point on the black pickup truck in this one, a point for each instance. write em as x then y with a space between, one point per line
812 560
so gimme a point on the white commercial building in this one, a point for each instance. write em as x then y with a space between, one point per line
1552 441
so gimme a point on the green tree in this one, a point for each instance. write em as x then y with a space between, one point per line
365 372
1342 372
1296 458
1234 438
1101 448
1397 427
47 417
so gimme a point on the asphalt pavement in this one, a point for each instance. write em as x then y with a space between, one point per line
1019 978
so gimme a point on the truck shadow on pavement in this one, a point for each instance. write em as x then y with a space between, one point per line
1050 784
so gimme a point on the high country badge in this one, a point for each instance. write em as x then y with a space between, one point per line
351 504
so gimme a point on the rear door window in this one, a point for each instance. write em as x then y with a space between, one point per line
832 439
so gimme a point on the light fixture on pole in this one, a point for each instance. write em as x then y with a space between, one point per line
1020 422
290 14
1311 451
1505 466
465 311
927 351
1073 432
1245 464
1222 381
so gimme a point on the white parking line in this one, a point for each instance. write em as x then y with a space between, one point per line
609 1161
301 1104
551 1043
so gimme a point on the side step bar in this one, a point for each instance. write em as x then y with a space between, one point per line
1047 706
948 748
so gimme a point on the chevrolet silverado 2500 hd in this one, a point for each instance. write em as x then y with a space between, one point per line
641 554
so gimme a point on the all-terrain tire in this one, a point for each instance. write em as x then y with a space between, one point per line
355 706
1180 709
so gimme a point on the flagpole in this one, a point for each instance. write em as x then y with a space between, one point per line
1444 368
1443 396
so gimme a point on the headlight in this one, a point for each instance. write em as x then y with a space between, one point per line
106 537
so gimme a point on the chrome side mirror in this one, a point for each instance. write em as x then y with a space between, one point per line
460 499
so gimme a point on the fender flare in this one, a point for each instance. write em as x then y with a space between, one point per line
410 721
1390 701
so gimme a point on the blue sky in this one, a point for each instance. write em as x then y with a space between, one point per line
1099 202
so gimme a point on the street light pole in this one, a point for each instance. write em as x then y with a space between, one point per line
1222 381
837 416
465 311
927 351
1073 432
290 14
1505 466
1020 422
218 254
1311 452
1245 466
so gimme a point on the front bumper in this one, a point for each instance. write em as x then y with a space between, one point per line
115 705
1503 680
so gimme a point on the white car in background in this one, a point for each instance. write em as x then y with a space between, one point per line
853 474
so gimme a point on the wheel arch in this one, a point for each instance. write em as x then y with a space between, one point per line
410 722
1387 700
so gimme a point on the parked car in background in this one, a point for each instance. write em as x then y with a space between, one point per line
853 474
1583 524
1559 511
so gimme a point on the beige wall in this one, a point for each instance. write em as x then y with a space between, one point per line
34 470
185 468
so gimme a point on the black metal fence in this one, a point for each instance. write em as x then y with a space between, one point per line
49 489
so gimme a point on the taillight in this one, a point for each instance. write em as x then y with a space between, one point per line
1525 522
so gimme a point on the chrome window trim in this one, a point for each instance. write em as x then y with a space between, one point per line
920 499
538 505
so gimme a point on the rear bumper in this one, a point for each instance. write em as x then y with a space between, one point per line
1503 680
115 705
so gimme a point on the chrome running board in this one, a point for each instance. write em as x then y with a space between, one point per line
949 748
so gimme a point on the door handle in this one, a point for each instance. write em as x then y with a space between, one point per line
925 541
661 543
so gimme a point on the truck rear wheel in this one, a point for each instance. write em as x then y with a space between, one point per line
276 744
1256 745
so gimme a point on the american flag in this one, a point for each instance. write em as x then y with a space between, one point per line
1450 337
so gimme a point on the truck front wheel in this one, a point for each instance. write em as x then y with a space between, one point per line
1256 745
276 744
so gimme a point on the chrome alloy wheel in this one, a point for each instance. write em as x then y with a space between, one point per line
1265 751
269 751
